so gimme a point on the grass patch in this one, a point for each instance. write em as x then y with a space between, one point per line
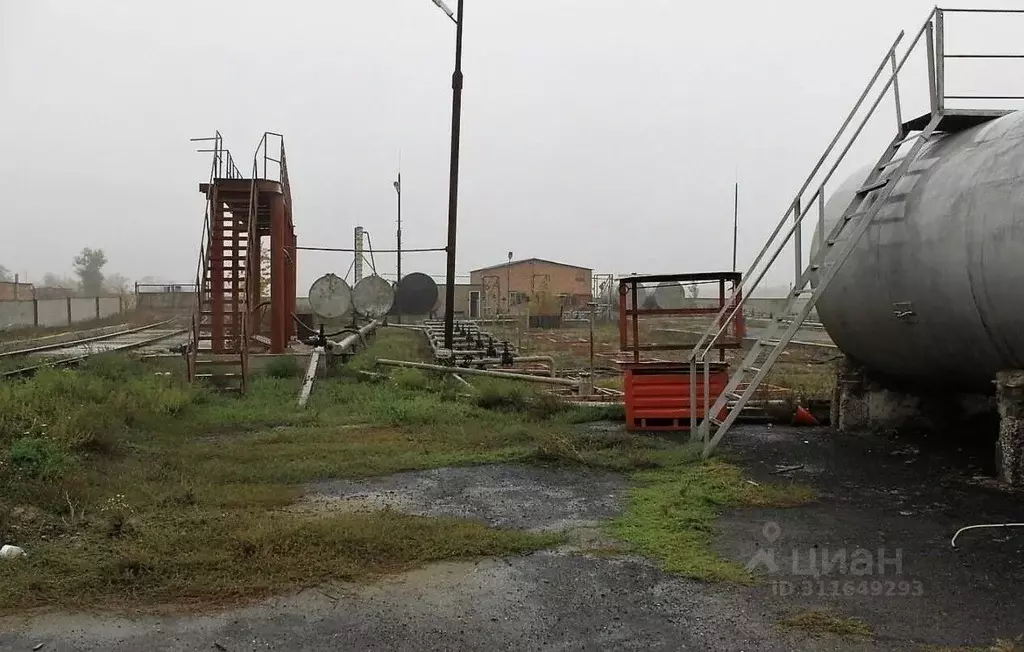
212 556
820 623
130 488
671 513
284 367
126 487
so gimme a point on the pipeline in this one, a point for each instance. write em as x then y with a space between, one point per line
497 362
479 372
337 347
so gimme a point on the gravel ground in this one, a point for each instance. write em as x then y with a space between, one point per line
874 493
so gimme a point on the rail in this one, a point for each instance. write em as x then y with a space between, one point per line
75 359
85 340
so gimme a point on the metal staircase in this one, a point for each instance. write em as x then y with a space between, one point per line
832 248
218 350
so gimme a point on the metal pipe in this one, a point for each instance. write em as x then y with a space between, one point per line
307 382
379 251
478 372
360 335
533 358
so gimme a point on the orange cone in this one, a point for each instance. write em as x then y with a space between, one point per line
804 418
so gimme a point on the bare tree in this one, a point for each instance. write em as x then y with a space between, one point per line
117 284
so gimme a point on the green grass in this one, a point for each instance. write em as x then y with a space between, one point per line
127 487
819 623
207 555
671 514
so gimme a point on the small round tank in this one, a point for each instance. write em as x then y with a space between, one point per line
670 295
934 291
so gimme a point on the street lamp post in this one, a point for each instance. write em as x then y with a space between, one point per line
453 178
398 249
398 189
508 285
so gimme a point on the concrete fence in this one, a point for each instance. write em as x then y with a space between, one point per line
57 312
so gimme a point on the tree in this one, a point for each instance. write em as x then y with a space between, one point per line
51 280
89 267
5 274
117 284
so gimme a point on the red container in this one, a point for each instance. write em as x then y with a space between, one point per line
658 394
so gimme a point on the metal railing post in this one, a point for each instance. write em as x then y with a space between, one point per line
707 390
896 95
930 42
693 398
797 245
940 60
821 217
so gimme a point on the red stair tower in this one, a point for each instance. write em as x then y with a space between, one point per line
230 310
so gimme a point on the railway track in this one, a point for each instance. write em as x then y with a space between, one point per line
75 351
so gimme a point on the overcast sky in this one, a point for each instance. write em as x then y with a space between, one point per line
597 132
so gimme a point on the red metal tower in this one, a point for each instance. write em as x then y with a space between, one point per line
231 283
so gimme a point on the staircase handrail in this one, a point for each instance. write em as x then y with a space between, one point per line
796 209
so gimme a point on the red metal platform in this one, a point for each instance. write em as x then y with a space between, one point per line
658 393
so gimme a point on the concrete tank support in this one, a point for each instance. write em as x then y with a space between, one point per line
1010 451
860 403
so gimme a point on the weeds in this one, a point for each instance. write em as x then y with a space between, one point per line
818 623
185 489
35 457
671 513
284 367
191 507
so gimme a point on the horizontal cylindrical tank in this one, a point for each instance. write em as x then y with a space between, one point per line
670 295
934 291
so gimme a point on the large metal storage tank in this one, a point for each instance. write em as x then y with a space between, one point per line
934 291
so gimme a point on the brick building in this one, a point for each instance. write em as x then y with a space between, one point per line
10 291
534 285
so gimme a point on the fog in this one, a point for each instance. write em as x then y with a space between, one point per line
603 134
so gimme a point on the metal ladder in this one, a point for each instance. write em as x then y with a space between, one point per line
834 247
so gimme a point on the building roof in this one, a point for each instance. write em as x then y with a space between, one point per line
530 260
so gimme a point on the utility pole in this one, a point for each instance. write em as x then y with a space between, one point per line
398 189
735 221
453 185
508 285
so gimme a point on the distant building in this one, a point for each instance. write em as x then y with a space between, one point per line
467 301
532 285
10 291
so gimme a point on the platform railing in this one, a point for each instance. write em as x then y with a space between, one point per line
942 28
222 166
